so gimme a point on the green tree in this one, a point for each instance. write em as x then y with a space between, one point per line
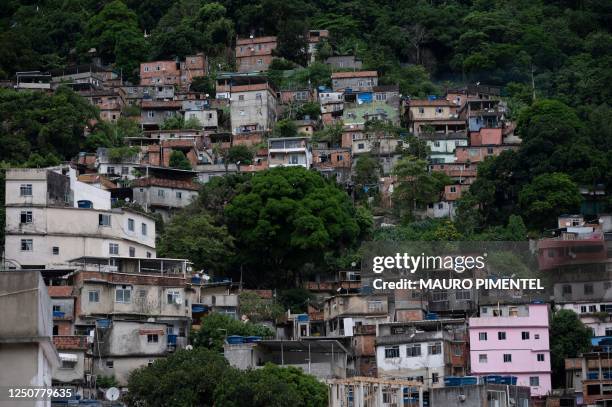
258 309
294 215
547 197
185 378
272 386
367 170
115 35
568 338
239 155
215 328
285 128
179 160
194 236
416 186
45 124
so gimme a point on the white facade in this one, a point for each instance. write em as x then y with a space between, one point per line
289 152
443 150
589 316
427 364
44 228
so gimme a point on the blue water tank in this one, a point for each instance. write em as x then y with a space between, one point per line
85 204
235 339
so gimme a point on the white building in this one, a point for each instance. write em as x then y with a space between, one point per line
45 227
27 354
443 145
289 152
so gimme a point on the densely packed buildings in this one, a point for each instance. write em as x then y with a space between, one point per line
110 305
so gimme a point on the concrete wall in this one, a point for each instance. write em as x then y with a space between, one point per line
26 306
253 107
71 374
145 300
76 232
423 365
476 396
207 118
100 198
122 367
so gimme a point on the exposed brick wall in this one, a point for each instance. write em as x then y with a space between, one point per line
60 291
72 342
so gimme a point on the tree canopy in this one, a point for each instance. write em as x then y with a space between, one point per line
293 215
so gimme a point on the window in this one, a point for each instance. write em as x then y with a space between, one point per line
110 170
567 289
26 217
173 296
453 189
482 358
68 364
152 338
27 245
293 159
113 248
240 97
25 190
179 195
125 170
482 336
583 309
436 144
94 296
55 250
434 348
435 377
375 305
161 193
592 308
148 255
104 220
507 358
608 332
150 114
536 336
421 110
489 150
361 146
413 350
588 289
525 335
439 296
392 352
142 294
131 225
464 295
143 228
55 330
534 381
57 308
110 364
501 336
123 294
132 251
540 357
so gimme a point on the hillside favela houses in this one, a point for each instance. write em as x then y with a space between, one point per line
89 293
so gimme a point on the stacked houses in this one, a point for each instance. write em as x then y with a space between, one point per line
83 237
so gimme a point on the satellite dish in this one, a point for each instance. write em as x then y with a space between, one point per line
189 347
127 199
179 301
112 394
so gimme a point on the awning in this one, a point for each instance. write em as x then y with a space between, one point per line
68 357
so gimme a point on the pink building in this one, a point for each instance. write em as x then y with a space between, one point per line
512 340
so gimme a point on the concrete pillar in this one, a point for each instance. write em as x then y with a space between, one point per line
420 396
379 395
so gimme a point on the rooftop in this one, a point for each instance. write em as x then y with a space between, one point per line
354 74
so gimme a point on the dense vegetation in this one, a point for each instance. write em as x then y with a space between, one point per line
202 377
564 46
